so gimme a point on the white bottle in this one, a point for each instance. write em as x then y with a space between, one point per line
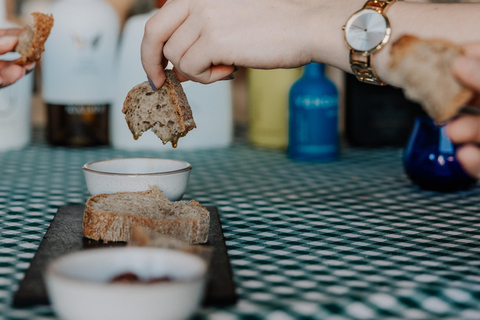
78 71
211 104
15 102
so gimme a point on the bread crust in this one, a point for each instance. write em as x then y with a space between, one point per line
166 111
110 226
31 43
423 69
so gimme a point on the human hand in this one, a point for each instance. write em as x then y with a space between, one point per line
10 72
465 130
205 39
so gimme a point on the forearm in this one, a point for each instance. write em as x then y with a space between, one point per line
200 36
455 22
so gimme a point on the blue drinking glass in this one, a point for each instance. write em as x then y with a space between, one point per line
429 159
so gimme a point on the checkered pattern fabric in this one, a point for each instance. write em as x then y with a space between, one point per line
349 239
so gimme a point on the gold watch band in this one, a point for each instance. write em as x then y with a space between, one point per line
361 64
362 68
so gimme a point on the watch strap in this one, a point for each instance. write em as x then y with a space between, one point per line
361 64
362 69
380 6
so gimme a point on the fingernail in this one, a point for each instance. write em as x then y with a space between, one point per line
151 84
230 77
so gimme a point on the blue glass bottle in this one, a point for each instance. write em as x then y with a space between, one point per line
313 116
429 159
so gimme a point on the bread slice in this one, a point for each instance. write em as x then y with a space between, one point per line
423 68
31 43
165 111
143 237
111 217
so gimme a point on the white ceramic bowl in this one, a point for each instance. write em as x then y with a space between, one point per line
79 287
138 174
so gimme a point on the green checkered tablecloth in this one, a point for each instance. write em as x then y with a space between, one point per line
350 239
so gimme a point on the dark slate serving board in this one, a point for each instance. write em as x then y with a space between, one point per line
65 235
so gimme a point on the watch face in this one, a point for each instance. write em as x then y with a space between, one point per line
365 30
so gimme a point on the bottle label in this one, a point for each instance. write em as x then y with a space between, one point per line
313 103
76 110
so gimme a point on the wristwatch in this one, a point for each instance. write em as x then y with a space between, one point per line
366 32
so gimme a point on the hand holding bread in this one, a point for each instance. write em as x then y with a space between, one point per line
10 72
28 42
423 68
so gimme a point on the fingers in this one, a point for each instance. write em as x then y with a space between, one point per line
469 158
472 50
192 68
467 70
220 73
465 129
199 65
11 32
180 41
8 43
10 73
170 17
180 76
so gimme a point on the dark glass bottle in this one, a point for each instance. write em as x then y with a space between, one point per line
79 71
78 125
313 116
429 159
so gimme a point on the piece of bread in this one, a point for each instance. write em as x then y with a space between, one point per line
31 43
143 237
111 217
165 111
423 68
